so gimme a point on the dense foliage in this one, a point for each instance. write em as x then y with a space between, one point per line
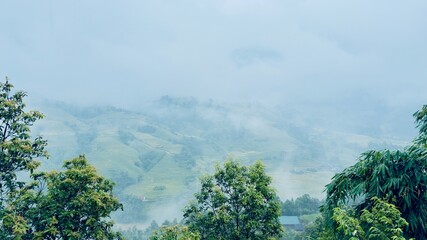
17 149
399 177
175 232
236 202
71 204
383 196
135 233
301 206
381 221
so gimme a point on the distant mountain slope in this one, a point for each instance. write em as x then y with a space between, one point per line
159 152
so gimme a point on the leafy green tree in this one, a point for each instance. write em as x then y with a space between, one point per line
399 177
175 232
138 234
236 202
318 230
346 225
302 205
17 149
382 221
71 204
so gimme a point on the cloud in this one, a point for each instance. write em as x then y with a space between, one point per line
272 51
247 56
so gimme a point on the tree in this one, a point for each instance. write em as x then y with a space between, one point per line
399 177
236 202
302 205
72 204
138 234
383 221
346 225
175 232
17 149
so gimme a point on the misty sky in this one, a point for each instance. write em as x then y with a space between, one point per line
296 51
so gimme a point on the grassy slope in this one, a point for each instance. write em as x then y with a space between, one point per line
163 151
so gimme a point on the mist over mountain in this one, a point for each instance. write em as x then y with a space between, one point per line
270 51
156 153
156 93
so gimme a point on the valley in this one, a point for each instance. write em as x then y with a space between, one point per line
156 154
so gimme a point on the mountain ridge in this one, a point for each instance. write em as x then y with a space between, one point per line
158 153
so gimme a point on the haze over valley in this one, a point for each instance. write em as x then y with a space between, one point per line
156 94
157 153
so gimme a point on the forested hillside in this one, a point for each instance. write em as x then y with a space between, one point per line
381 196
156 154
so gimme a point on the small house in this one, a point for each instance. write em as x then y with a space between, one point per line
291 222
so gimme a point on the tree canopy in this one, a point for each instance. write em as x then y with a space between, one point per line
399 177
17 149
236 202
302 205
175 232
70 204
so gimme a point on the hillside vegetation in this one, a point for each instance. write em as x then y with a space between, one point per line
156 154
